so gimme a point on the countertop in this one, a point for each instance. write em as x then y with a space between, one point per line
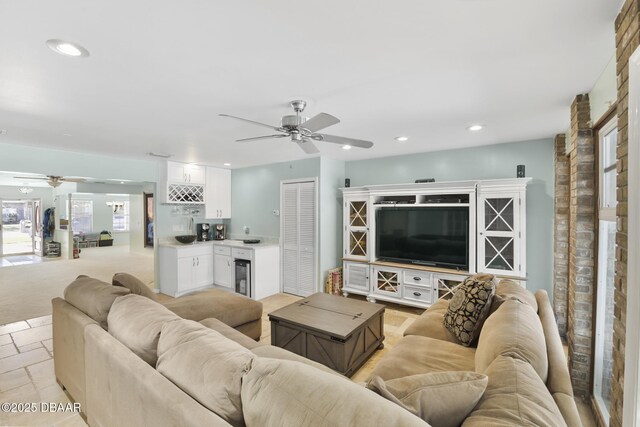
231 243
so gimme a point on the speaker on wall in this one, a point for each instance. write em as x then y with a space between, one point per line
347 182
520 171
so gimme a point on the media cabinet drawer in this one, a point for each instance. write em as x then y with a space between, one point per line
415 277
418 293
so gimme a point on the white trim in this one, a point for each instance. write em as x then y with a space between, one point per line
632 341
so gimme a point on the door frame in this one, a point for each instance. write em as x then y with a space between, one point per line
315 227
33 225
630 411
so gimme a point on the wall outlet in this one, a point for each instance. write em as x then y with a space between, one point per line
246 229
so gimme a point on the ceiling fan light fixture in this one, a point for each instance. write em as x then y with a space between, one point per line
67 48
475 128
346 147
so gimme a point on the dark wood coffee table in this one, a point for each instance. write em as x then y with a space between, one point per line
338 332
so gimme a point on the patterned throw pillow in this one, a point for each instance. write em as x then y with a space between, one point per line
469 307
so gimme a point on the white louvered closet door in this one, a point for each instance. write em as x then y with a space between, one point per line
299 238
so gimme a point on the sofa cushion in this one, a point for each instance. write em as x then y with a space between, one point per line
93 297
231 333
515 396
136 322
419 355
274 352
135 285
507 289
442 399
230 308
430 323
469 307
285 393
206 365
513 330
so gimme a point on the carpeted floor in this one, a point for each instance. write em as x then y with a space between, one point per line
26 290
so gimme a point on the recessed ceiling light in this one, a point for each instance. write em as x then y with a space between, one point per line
121 182
401 138
227 164
67 48
346 147
475 128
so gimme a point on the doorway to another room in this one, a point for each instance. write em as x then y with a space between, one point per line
18 223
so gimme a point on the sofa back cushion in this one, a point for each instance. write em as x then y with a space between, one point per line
515 396
135 285
93 297
285 393
513 330
206 365
507 289
469 307
136 322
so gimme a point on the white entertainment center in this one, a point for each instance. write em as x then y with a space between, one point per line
496 238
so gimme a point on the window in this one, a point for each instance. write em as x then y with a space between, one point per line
120 216
603 363
82 216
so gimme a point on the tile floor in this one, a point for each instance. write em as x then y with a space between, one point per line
27 375
13 260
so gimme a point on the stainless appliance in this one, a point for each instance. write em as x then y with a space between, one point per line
202 232
218 232
243 277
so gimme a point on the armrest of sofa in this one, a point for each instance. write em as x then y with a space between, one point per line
68 347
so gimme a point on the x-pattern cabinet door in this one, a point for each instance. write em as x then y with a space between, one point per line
500 248
356 223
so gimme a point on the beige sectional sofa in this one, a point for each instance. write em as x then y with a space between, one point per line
129 360
519 349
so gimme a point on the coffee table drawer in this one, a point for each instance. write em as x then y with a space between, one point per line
418 293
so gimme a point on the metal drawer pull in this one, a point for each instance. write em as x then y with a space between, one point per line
417 279
417 294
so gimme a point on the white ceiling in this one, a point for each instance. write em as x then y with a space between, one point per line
160 72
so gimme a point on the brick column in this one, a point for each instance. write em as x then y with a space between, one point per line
581 246
627 41
561 234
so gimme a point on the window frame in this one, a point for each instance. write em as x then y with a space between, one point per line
72 216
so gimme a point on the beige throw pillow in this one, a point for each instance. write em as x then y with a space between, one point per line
443 399
206 365
469 307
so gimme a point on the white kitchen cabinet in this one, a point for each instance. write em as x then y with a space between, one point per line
185 269
185 173
223 267
218 193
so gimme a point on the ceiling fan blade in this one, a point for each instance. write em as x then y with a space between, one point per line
255 138
307 146
342 140
29 177
250 121
72 179
320 121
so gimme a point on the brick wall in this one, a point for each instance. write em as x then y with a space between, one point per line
627 40
582 205
561 233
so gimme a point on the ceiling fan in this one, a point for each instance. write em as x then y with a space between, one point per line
52 180
303 130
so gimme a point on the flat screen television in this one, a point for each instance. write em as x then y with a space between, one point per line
433 236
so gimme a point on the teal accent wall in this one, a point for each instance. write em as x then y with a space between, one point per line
332 173
255 193
486 162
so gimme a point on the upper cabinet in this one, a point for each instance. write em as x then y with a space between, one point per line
182 183
183 173
356 228
501 227
218 193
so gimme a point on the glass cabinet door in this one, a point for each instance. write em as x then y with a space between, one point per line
499 234
357 229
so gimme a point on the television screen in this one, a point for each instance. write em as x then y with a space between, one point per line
433 236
